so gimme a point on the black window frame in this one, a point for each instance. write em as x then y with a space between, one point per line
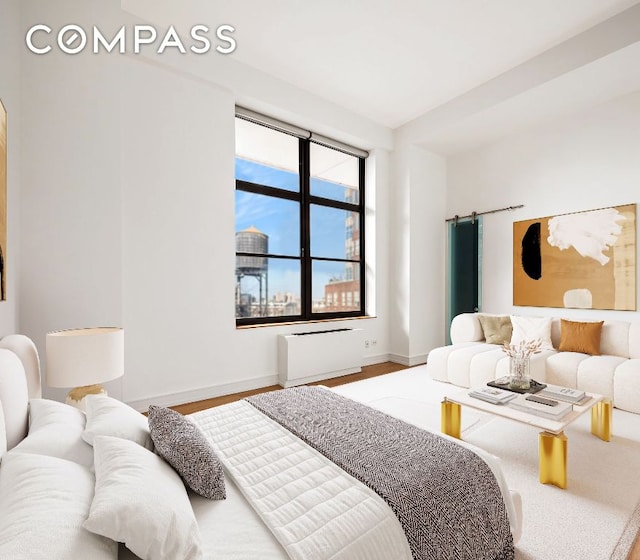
306 259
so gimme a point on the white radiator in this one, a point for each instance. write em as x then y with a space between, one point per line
307 357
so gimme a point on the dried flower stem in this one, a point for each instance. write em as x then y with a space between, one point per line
524 349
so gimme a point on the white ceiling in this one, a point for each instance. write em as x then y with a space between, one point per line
393 61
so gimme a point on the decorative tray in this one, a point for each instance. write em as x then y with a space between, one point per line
503 383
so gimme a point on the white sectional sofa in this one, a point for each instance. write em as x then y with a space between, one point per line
470 361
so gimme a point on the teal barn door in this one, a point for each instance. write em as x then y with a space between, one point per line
465 255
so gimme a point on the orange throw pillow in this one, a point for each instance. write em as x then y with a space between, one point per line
580 337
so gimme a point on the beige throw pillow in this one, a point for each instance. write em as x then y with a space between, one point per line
497 329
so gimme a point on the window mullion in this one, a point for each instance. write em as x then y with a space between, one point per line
274 192
363 271
321 201
305 229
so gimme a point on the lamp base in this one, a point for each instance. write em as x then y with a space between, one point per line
76 396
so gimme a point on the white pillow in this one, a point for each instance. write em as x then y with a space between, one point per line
141 501
532 328
44 501
55 429
110 417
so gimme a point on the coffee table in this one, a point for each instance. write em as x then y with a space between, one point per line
553 442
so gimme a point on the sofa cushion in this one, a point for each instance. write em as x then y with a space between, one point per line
459 363
526 329
438 360
483 366
580 337
562 368
634 340
596 373
615 339
626 385
497 328
466 328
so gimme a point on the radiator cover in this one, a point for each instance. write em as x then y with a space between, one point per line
304 358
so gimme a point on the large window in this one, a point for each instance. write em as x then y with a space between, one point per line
299 224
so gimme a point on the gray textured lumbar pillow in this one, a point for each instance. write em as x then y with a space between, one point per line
185 448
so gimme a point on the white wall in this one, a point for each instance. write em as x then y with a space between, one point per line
129 208
427 254
11 98
417 252
587 161
71 228
377 254
400 245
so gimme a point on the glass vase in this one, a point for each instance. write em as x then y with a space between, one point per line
519 377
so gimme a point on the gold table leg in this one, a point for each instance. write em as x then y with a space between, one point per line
601 420
450 418
553 459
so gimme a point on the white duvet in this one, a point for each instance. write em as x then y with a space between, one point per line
314 509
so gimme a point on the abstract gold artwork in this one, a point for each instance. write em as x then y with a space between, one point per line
582 260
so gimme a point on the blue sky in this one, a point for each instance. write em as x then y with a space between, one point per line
279 219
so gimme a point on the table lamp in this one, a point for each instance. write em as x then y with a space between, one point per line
84 358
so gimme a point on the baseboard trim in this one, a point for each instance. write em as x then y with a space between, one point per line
377 359
408 361
172 399
286 383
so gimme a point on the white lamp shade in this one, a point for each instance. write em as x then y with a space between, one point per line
80 357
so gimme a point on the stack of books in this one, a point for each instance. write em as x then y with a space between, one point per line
551 409
493 395
565 394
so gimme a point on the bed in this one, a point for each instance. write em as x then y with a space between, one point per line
305 474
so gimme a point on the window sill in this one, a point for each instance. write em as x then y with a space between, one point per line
322 321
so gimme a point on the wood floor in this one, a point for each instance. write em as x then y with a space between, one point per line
366 373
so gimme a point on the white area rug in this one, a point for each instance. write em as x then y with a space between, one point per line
584 522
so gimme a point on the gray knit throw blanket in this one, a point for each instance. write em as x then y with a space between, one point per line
445 496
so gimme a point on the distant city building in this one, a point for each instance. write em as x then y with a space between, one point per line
343 294
284 304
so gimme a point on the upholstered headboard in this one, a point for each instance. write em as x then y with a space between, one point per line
19 382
